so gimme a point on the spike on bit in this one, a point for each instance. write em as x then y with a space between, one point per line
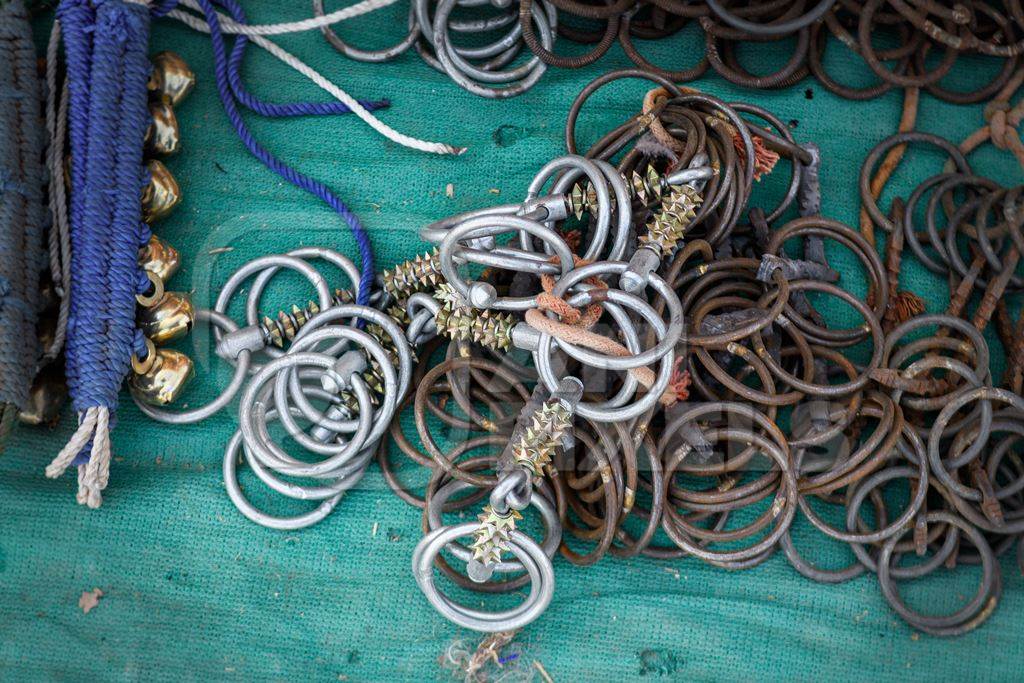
414 275
669 226
577 201
493 534
490 329
646 186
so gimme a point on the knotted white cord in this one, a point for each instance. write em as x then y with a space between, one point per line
199 24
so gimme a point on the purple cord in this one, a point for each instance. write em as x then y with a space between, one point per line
230 89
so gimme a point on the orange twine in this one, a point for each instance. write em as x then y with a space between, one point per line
764 158
573 327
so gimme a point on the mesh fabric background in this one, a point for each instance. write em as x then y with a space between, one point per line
192 590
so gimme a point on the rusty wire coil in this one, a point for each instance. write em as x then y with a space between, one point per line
890 436
805 31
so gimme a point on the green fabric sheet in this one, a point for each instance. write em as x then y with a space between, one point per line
194 591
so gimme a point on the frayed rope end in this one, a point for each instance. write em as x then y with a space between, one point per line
764 158
93 475
905 305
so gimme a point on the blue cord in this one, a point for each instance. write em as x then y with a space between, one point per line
270 109
108 67
77 20
229 95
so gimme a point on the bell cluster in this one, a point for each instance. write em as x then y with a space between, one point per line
161 374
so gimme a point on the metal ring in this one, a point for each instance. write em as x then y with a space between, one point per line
531 555
224 398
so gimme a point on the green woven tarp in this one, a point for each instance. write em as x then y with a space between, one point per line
193 591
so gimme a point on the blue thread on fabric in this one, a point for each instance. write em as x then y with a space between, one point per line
228 99
139 344
77 19
162 7
142 283
9 184
16 302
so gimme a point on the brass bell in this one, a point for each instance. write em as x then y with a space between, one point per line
161 377
163 137
171 80
170 318
162 193
46 397
159 258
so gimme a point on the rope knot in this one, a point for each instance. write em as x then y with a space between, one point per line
570 315
1002 122
998 130
679 382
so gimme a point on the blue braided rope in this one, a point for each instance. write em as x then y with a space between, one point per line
77 18
314 187
22 209
106 217
106 43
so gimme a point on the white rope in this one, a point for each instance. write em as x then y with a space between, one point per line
229 25
94 475
334 90
74 446
312 74
57 98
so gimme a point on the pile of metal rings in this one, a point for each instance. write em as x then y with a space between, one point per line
334 375
916 28
957 205
969 420
646 450
475 41
657 363
782 417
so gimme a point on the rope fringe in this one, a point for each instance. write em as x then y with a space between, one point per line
764 158
94 475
